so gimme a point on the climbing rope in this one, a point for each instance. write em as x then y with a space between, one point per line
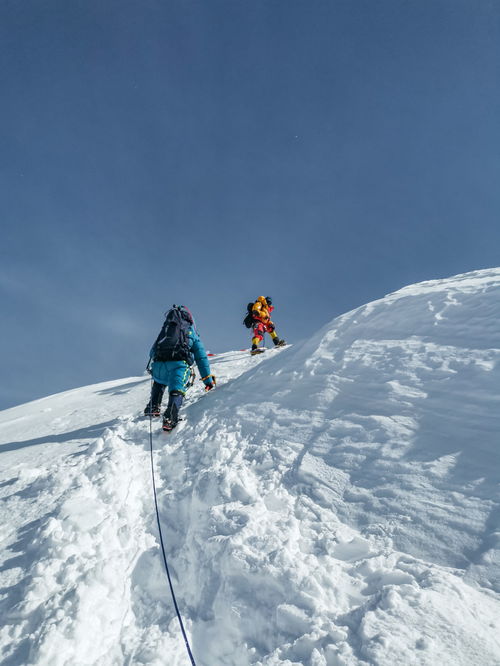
186 642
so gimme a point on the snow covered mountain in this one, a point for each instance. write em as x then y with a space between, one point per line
333 503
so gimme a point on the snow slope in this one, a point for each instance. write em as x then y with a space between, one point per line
332 503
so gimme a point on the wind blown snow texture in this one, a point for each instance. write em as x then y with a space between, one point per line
334 503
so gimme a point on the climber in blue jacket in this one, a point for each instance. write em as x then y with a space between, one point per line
172 355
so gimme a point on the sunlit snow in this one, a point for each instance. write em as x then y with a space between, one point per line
334 503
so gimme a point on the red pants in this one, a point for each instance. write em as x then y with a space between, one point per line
260 328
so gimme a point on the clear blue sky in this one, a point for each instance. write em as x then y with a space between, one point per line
323 153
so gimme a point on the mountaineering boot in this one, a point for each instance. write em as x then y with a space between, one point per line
256 350
171 414
168 424
278 342
152 411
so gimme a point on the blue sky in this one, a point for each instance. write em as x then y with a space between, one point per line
323 153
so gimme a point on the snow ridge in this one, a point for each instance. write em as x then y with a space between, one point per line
335 503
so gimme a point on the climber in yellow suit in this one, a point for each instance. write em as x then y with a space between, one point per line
261 313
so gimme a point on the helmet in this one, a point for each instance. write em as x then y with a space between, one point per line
269 300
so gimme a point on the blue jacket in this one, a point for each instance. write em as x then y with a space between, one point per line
175 374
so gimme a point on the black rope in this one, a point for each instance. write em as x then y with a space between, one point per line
186 642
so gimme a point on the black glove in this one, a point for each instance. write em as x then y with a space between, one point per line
209 382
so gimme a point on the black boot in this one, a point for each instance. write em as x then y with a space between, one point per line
278 342
154 410
168 425
171 415
256 350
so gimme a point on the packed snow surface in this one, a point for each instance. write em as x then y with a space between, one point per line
332 503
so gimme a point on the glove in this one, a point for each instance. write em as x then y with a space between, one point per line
209 382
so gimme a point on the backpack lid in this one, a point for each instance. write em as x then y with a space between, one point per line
183 311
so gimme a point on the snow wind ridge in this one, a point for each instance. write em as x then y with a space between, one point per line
89 564
332 504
